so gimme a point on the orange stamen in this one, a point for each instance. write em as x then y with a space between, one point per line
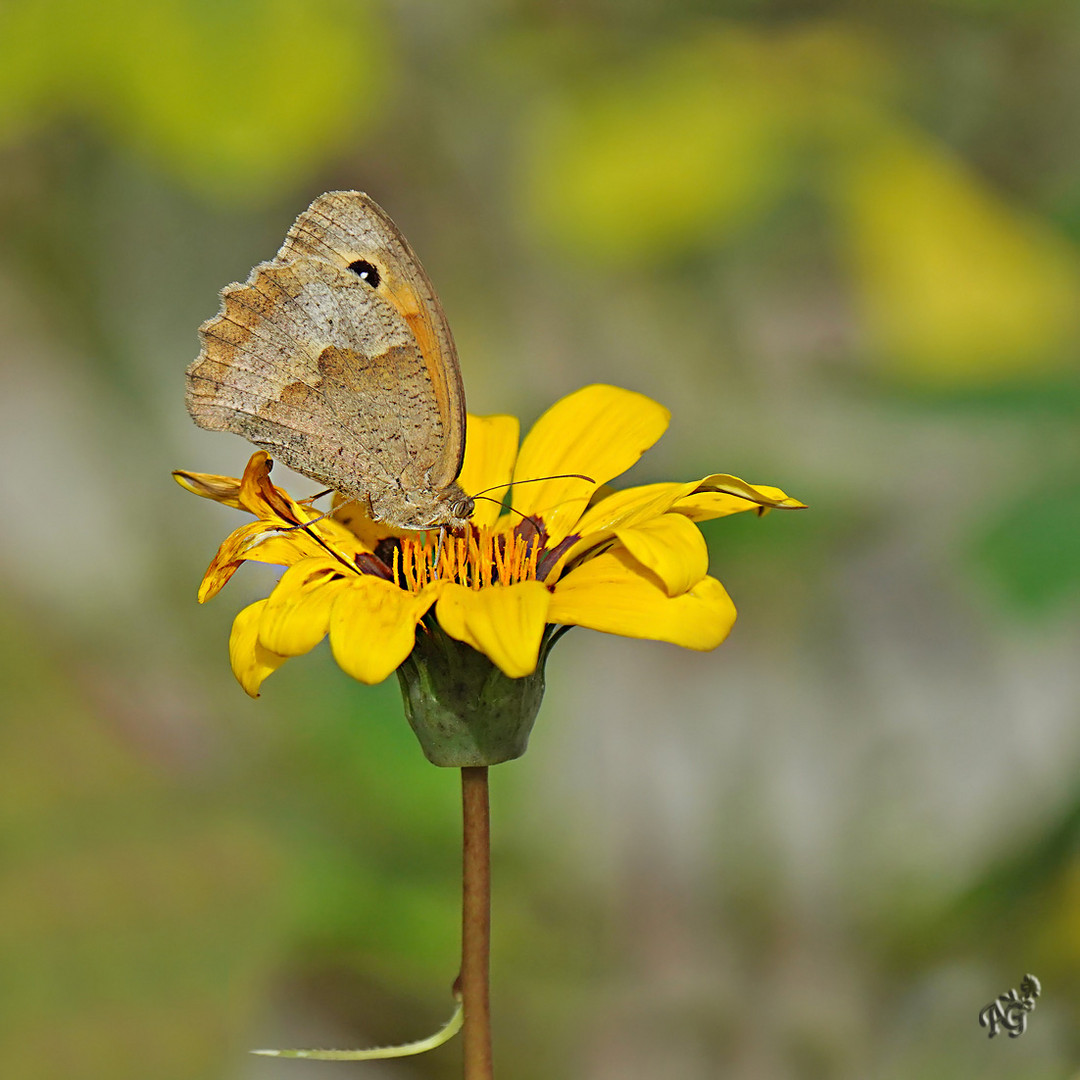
480 559
487 555
474 559
406 566
520 552
450 559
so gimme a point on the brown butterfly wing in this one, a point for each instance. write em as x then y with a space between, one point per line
306 361
330 373
343 227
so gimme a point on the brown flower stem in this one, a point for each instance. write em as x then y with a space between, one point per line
476 922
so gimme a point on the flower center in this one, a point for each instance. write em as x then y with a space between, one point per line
481 558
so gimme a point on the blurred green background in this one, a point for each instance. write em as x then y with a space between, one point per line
842 243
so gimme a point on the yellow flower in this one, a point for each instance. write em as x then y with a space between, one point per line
570 552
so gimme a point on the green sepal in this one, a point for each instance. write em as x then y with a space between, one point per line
463 709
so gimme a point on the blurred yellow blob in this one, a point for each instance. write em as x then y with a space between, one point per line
670 151
673 152
234 99
955 285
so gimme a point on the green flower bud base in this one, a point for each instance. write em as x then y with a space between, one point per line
463 709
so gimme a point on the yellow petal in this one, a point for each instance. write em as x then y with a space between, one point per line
637 504
504 622
760 497
260 497
354 516
491 444
282 548
297 613
250 661
714 504
273 504
698 500
631 506
672 547
599 431
614 594
373 626
256 541
230 557
222 489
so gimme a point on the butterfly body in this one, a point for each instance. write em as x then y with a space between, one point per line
337 359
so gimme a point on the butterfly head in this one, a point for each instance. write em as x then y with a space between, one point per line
455 507
449 508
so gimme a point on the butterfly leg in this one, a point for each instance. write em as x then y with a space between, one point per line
313 521
313 498
438 550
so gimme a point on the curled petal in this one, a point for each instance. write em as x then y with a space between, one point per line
261 498
256 541
230 555
614 593
253 493
719 495
491 445
297 613
504 622
672 547
250 661
222 489
373 626
699 500
636 504
217 576
598 431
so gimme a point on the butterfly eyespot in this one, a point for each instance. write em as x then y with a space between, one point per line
366 272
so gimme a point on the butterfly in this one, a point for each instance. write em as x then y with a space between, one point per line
336 358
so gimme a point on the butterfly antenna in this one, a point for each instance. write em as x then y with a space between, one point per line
527 517
532 480
537 480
